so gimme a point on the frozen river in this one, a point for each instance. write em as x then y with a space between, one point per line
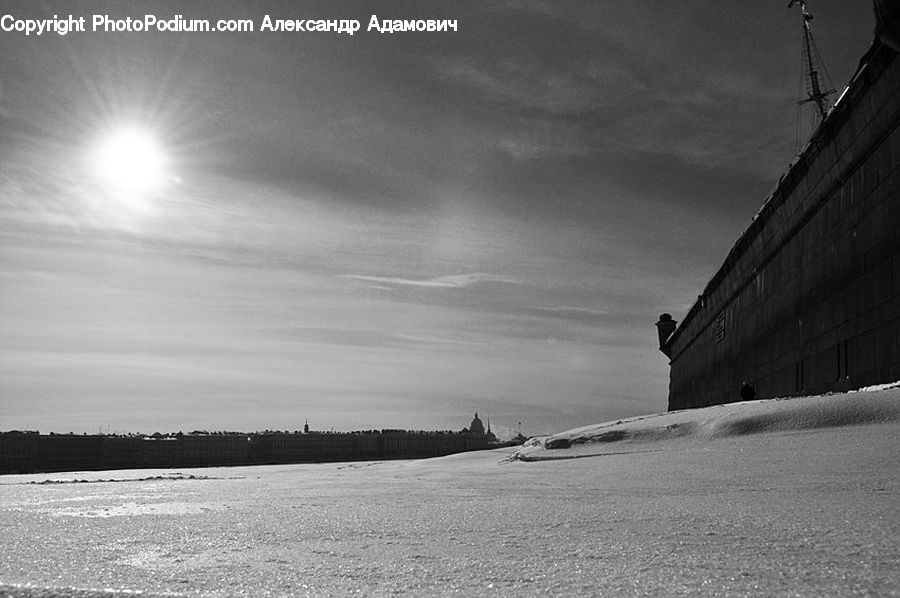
806 512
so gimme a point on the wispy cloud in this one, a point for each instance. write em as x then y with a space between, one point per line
545 88
535 146
566 309
441 282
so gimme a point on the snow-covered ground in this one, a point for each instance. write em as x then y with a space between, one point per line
784 497
873 405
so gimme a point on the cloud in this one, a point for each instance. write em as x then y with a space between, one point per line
544 87
441 282
534 147
565 309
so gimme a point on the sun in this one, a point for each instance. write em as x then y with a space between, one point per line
130 163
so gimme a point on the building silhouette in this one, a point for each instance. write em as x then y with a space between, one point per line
808 299
26 452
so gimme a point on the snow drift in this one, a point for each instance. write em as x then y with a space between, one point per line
879 404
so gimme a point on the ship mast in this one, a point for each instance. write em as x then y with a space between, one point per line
818 86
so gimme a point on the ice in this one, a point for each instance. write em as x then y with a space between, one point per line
777 497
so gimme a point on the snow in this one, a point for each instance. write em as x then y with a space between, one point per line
876 404
776 497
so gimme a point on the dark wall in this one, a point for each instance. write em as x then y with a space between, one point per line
808 300
32 452
18 451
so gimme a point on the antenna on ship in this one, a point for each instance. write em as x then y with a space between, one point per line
815 86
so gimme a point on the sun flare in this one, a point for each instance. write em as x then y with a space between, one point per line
130 163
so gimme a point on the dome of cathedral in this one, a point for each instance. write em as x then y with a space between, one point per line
476 427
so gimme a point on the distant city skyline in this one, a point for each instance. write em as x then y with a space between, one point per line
505 432
246 230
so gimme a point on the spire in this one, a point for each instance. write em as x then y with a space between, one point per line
815 87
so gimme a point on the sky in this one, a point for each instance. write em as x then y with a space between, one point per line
380 230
